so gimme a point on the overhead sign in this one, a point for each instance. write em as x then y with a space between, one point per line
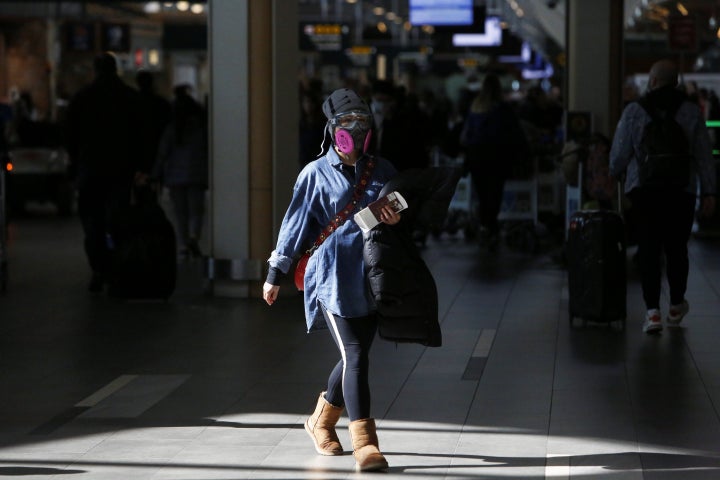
361 55
324 37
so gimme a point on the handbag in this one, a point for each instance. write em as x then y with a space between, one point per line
300 271
334 224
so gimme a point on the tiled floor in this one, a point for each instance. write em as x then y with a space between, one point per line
208 388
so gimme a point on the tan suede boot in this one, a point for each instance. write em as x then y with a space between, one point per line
365 446
321 427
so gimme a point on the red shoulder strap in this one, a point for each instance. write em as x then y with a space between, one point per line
342 215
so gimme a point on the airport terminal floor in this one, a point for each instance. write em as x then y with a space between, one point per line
212 388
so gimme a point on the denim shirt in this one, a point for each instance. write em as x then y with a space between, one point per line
335 273
626 147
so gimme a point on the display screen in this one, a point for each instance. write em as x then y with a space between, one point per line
441 12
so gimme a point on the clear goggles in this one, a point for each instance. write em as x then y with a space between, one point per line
351 120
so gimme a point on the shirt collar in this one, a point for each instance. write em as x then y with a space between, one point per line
334 159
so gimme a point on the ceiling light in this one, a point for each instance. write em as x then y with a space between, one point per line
197 8
153 57
182 6
152 7
378 11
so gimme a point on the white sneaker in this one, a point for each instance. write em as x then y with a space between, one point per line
653 321
677 312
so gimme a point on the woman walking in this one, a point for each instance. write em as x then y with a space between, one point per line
327 192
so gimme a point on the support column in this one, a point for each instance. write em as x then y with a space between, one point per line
253 137
594 68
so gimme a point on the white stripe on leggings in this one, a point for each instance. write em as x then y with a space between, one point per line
340 344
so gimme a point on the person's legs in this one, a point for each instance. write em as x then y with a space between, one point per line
649 234
334 392
196 215
488 175
678 226
91 211
354 337
178 197
96 204
493 200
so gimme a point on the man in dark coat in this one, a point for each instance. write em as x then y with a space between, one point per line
106 145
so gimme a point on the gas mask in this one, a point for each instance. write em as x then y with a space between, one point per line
352 131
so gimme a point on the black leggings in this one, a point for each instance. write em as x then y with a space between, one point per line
348 384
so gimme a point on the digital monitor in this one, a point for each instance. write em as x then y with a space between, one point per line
441 12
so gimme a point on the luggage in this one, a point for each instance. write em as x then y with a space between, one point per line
595 253
596 257
143 263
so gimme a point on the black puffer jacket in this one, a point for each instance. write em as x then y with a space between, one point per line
399 280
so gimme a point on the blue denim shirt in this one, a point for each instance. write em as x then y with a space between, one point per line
626 147
335 273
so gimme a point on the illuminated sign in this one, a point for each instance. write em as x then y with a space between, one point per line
323 36
441 12
491 38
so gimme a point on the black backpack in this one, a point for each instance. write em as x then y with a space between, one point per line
667 151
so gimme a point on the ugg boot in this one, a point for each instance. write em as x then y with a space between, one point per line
321 427
365 446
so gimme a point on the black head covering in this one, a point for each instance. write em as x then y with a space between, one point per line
343 100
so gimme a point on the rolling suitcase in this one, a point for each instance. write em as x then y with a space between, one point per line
595 252
143 261
596 255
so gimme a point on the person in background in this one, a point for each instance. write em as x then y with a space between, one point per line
156 112
182 167
494 143
104 139
335 288
312 127
402 133
664 214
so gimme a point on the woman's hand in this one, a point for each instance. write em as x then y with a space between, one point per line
270 293
389 216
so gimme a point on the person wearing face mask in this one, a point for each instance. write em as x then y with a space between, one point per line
327 192
402 130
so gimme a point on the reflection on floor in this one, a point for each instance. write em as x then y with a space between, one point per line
210 388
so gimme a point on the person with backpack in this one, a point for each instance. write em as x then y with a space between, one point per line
662 147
